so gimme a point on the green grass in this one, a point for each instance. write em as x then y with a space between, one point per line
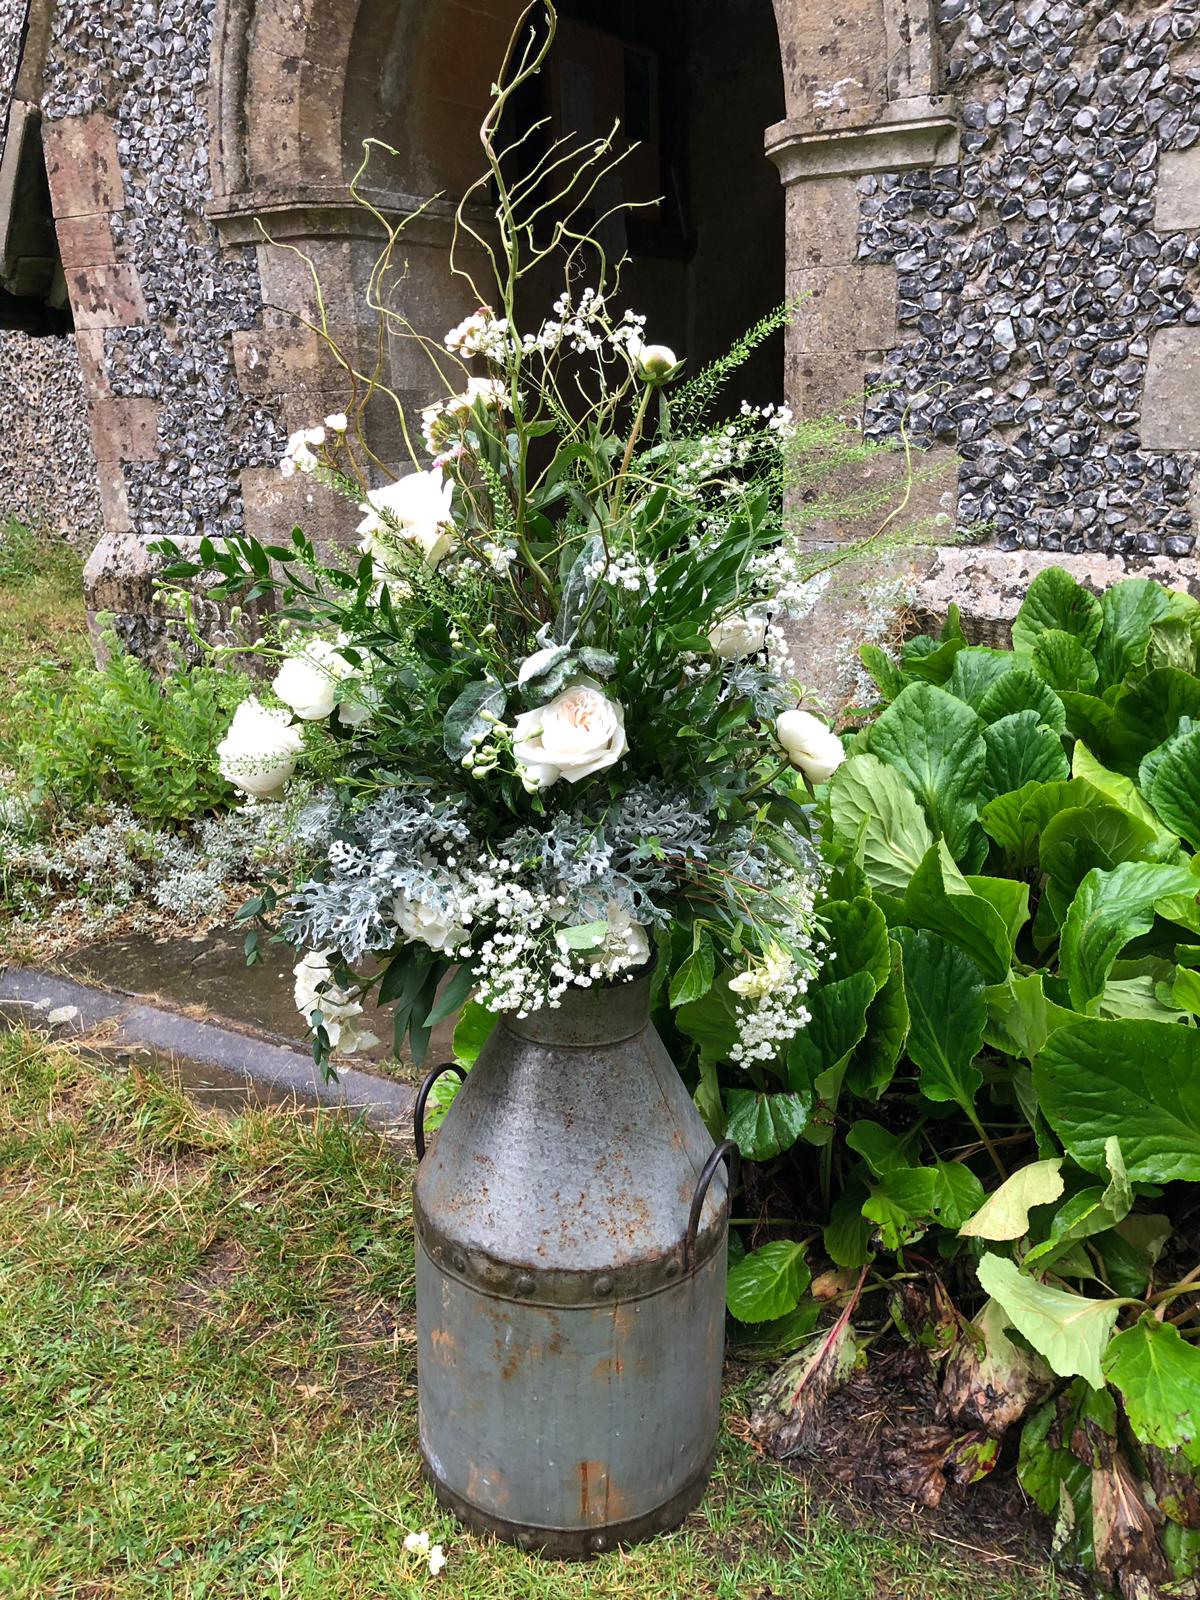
43 620
207 1382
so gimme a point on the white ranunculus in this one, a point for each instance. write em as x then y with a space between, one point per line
420 505
740 636
340 1008
809 745
581 731
259 752
308 682
424 924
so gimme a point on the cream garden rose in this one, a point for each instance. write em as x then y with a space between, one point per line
809 745
420 504
739 636
308 682
258 754
578 733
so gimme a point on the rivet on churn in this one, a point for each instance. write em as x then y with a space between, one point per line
597 1542
524 1284
671 1269
604 1284
459 1263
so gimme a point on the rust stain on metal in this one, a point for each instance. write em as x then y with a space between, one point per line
593 1492
608 1368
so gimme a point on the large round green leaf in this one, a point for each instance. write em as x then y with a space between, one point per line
1021 749
1069 1330
1055 601
1136 1080
1022 690
936 743
768 1282
877 814
1158 1374
1175 786
1110 909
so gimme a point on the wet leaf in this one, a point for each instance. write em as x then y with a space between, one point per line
1158 1374
1005 1212
1069 1330
989 1381
767 1283
787 1414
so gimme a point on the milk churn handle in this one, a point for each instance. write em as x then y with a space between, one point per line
728 1151
423 1096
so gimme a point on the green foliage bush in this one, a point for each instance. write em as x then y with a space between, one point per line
117 734
996 1104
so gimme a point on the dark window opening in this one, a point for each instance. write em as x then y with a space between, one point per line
33 288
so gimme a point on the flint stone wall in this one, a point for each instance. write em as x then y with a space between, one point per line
1046 282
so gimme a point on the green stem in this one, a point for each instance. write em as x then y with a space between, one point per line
765 783
635 434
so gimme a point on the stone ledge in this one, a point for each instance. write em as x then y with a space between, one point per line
216 1065
988 585
918 132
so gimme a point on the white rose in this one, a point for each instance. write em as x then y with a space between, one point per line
809 745
420 505
739 636
580 732
339 1008
653 360
307 682
259 752
422 924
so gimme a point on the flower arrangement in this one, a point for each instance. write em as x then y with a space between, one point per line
548 701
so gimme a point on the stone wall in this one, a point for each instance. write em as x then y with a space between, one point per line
1048 320
47 472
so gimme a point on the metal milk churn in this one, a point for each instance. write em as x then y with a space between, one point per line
571 1219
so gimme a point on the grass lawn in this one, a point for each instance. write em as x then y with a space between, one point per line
207 1381
43 620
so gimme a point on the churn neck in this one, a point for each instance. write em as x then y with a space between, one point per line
603 1013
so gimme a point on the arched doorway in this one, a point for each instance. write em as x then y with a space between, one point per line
694 82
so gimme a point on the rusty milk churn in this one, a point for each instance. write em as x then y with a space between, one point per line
571 1219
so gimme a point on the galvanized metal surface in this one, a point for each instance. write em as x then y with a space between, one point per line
569 1361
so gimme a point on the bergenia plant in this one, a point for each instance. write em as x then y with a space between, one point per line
548 699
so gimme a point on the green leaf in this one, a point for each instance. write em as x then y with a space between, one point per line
847 1235
1129 609
1083 837
1147 713
887 676
858 934
1115 787
767 1283
1087 1213
1055 601
1022 690
976 669
472 1031
838 1021
455 994
1108 911
902 1205
1005 1212
711 1022
940 899
1158 1374
1015 821
1174 790
1137 1081
948 1014
1070 1331
1021 1017
870 1068
1021 750
876 814
694 978
936 743
1063 661
583 936
469 720
764 1125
